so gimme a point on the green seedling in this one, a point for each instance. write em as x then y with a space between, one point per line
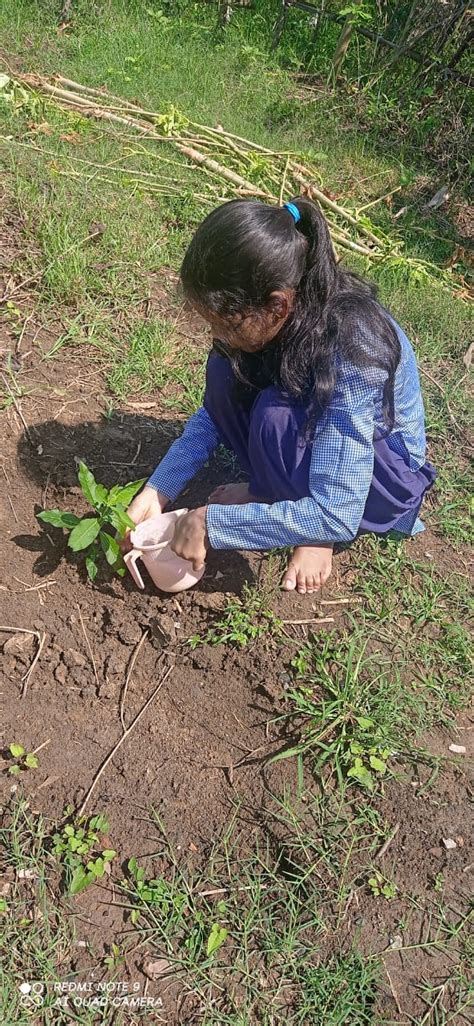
116 958
156 894
81 852
381 887
160 900
23 760
216 938
243 621
89 535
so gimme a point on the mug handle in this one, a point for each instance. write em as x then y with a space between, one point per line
130 560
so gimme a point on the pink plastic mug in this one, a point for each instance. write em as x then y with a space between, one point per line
151 543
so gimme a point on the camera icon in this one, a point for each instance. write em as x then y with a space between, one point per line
32 994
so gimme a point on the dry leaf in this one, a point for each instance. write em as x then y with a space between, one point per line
156 968
71 137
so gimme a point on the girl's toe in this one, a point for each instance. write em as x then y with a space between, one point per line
289 580
301 582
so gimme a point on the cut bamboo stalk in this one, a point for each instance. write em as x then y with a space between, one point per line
355 246
223 172
326 202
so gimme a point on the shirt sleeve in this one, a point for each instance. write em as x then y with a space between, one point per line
186 455
340 476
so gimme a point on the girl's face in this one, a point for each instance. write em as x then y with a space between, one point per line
250 332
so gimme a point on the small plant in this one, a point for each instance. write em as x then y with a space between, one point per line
23 760
88 534
301 662
115 959
81 852
179 917
216 938
381 887
365 759
244 620
157 894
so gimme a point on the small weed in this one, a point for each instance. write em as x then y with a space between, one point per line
88 535
116 958
177 913
381 887
347 723
157 895
81 852
23 760
244 621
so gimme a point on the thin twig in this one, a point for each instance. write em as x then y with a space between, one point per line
315 619
283 182
38 749
89 646
27 677
41 640
33 587
121 740
13 508
385 846
127 678
394 993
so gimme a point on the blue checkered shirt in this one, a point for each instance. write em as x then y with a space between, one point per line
341 467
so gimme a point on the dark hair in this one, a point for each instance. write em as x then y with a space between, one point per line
243 251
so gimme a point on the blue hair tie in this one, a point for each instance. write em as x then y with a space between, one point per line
293 211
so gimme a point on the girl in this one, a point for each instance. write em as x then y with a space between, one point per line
312 385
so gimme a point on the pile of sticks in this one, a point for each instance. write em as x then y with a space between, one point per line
230 165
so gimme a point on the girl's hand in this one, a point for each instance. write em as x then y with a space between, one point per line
190 540
148 503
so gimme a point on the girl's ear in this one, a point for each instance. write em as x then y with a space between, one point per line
280 305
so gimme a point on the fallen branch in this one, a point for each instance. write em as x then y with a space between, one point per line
116 747
128 677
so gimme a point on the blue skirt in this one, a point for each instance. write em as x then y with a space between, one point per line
282 472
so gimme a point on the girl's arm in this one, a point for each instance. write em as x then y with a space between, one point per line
339 481
185 456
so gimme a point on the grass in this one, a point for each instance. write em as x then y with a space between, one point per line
246 934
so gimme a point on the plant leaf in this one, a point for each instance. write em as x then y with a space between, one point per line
377 764
14 770
125 494
83 534
119 519
31 760
17 750
91 567
94 493
58 519
216 938
110 547
364 722
80 879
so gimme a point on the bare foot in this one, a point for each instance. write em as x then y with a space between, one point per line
231 494
308 568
